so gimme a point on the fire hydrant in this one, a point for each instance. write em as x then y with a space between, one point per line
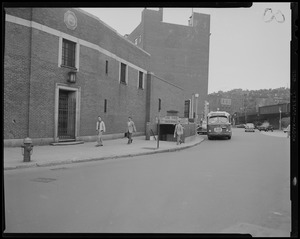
27 149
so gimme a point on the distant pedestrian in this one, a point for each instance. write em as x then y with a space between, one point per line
100 128
178 132
288 131
130 129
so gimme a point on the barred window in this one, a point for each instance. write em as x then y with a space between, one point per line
68 53
187 108
106 67
123 73
141 80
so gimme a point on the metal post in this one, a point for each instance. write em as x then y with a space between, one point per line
279 118
192 115
196 95
158 126
245 108
158 122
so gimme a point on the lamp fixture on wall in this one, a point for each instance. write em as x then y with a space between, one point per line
72 76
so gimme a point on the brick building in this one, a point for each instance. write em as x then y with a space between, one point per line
179 54
64 67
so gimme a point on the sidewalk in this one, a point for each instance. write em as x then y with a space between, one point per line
275 133
118 148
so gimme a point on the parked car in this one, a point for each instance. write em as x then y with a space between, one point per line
257 124
240 126
249 127
265 128
202 128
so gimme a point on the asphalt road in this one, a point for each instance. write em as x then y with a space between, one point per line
204 189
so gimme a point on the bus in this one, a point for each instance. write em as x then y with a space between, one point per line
218 125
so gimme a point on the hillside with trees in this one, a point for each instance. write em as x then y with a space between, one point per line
250 100
256 98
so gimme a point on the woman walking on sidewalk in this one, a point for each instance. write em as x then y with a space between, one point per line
100 128
130 129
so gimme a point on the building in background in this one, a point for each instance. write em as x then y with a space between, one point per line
179 54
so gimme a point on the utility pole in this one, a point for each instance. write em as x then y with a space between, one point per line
279 118
158 122
245 109
197 96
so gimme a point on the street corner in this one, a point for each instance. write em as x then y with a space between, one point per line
275 133
255 230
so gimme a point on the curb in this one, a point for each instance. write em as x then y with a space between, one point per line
70 161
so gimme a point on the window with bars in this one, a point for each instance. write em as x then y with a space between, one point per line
141 81
105 106
123 73
68 53
106 67
187 108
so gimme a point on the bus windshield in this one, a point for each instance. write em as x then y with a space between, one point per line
218 120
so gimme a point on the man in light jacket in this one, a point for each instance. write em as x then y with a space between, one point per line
178 132
130 129
100 128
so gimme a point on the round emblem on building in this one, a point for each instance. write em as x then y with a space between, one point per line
70 20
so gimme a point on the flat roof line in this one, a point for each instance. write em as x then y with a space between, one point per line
124 38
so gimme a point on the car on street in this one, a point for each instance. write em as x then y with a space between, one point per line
249 127
257 124
265 128
240 126
202 128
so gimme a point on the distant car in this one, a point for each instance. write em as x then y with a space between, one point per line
265 128
240 126
257 125
249 127
202 129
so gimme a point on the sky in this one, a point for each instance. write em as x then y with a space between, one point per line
249 47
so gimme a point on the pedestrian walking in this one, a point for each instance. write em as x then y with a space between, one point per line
178 132
100 128
130 129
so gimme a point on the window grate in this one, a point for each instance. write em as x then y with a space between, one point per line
123 73
68 53
141 83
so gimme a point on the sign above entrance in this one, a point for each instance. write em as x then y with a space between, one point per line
172 120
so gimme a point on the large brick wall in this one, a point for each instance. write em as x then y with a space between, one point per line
179 54
31 73
122 100
172 98
16 81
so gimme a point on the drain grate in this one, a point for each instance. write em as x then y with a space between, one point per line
43 180
62 168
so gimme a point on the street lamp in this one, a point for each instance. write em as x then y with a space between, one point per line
279 118
196 95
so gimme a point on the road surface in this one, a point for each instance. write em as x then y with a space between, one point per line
209 188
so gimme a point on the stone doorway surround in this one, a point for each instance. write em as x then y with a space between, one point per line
77 91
